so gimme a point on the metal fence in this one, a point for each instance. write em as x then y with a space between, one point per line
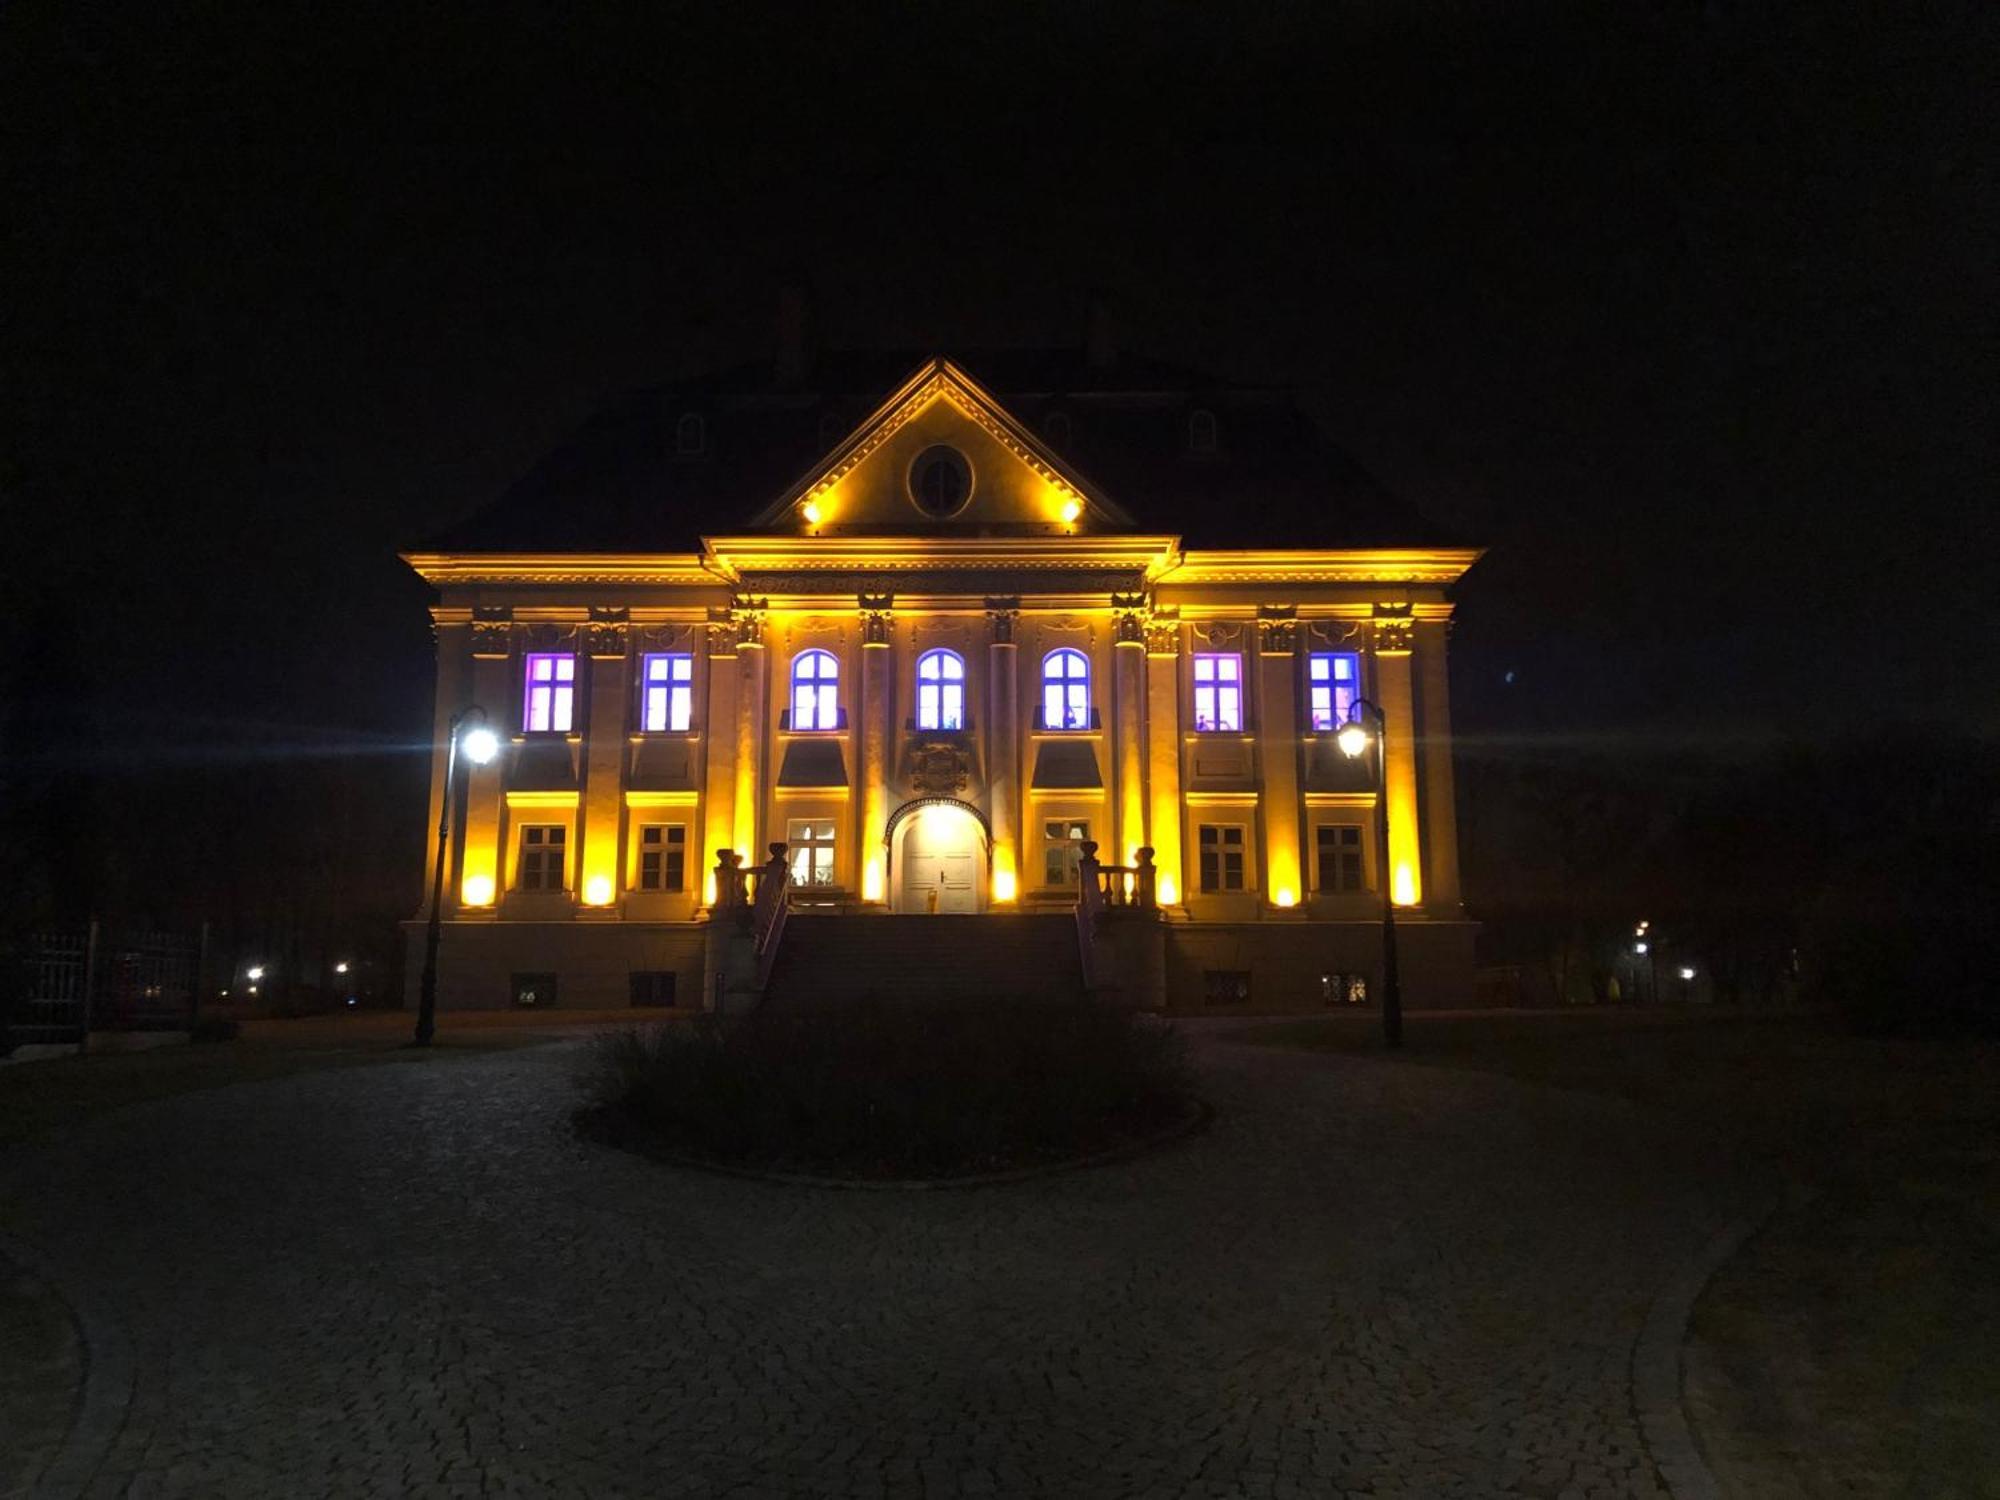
78 980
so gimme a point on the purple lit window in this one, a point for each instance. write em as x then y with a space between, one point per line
550 699
815 691
1333 682
669 689
1065 690
940 690
1218 692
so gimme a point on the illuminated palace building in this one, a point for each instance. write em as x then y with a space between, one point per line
976 643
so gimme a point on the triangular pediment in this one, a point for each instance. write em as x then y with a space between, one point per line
942 457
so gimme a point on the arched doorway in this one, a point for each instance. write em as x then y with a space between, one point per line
937 859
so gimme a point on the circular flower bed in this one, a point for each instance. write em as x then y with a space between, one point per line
891 1091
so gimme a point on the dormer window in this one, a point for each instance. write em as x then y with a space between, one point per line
1201 431
691 433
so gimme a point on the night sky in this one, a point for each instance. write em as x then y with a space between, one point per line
1685 310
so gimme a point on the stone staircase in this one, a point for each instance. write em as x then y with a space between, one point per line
991 957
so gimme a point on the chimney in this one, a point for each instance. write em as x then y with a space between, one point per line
1100 345
794 333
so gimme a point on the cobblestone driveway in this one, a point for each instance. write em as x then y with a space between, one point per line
1366 1278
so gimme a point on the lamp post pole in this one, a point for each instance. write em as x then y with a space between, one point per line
427 985
1374 727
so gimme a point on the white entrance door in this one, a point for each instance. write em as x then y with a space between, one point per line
940 864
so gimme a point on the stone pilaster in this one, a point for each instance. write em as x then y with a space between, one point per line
1003 746
718 738
875 730
1128 668
599 869
752 709
1278 756
1163 754
1441 888
1393 635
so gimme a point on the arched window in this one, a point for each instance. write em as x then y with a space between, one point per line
940 690
690 433
1066 690
815 690
1201 432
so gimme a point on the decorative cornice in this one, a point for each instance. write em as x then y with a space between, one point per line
1425 565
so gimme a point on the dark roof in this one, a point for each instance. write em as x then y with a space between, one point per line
1274 480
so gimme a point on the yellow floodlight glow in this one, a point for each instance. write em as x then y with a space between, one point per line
871 879
597 891
1006 887
1166 889
708 887
477 890
1403 888
810 512
1285 896
1072 509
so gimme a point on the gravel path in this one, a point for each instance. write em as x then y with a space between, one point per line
1365 1278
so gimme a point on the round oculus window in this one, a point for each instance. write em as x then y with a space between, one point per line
940 481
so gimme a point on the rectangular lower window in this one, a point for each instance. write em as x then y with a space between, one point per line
1337 857
811 842
1225 986
544 847
653 987
1222 846
1062 841
537 991
662 857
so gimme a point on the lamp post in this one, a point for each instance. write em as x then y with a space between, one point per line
469 731
1369 727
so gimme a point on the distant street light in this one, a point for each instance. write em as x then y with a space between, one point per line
341 967
255 971
1369 726
470 733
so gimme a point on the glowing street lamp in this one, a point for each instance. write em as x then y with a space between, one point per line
254 972
1369 727
470 735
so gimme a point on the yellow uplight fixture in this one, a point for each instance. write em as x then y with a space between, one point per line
1072 509
810 512
1285 896
1168 892
478 890
1003 885
597 891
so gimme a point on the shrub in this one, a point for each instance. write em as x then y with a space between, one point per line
894 1089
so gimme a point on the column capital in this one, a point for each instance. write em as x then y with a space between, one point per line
1129 612
1394 628
878 615
1277 629
1163 630
492 629
605 634
748 616
1003 614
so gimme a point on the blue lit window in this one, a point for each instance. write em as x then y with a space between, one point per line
815 691
1066 690
669 693
940 690
1333 682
